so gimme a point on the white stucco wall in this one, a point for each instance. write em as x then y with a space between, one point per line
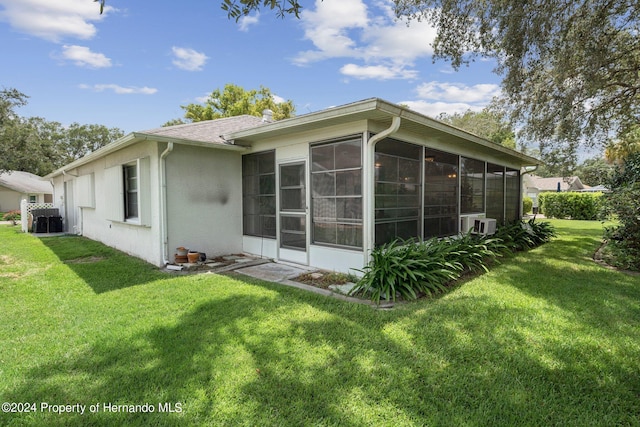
9 199
204 199
95 223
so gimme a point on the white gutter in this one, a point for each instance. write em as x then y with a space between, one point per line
369 183
164 224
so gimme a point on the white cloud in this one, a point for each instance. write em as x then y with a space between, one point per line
433 109
278 99
386 46
120 90
435 98
458 92
53 20
328 26
188 59
83 57
378 72
247 21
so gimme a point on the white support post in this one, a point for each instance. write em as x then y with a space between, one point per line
24 215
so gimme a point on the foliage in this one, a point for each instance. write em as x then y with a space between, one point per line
521 236
40 146
627 144
593 171
574 205
12 216
623 240
410 269
527 204
234 100
570 69
407 269
491 123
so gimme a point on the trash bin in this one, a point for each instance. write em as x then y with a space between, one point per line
41 225
55 224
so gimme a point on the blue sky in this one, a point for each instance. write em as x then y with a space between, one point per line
133 66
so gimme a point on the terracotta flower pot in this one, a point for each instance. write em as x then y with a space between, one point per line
193 257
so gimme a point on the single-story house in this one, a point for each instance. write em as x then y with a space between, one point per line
534 185
16 186
320 189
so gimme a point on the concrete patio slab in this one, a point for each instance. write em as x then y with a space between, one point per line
272 272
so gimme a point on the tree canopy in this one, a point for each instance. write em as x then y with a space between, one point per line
624 146
40 146
234 100
571 69
490 123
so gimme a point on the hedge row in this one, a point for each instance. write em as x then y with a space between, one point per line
574 205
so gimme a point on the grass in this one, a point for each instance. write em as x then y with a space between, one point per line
547 337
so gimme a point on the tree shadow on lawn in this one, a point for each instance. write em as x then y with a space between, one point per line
296 359
101 267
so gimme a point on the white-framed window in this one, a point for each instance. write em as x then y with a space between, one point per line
130 181
128 191
33 198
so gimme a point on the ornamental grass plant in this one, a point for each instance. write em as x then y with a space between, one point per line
412 269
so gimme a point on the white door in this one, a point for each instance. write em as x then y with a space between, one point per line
293 213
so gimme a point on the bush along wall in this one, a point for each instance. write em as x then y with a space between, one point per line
412 269
572 205
527 204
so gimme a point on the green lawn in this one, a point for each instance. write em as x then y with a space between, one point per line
548 337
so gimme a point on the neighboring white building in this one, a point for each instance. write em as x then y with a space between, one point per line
321 189
16 186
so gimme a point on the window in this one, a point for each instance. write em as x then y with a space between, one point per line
495 192
33 198
127 192
512 190
471 186
259 194
440 194
398 190
130 180
336 193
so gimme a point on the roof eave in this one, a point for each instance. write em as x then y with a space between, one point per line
370 105
133 138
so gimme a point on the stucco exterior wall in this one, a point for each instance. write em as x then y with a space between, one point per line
95 222
204 200
9 199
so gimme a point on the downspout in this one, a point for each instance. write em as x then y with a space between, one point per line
526 171
370 182
164 223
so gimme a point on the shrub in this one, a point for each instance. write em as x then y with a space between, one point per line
623 240
574 205
12 216
410 269
527 204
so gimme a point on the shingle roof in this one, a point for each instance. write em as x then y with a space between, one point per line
207 131
25 182
551 184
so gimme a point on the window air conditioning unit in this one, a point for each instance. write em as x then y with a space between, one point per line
484 226
466 224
